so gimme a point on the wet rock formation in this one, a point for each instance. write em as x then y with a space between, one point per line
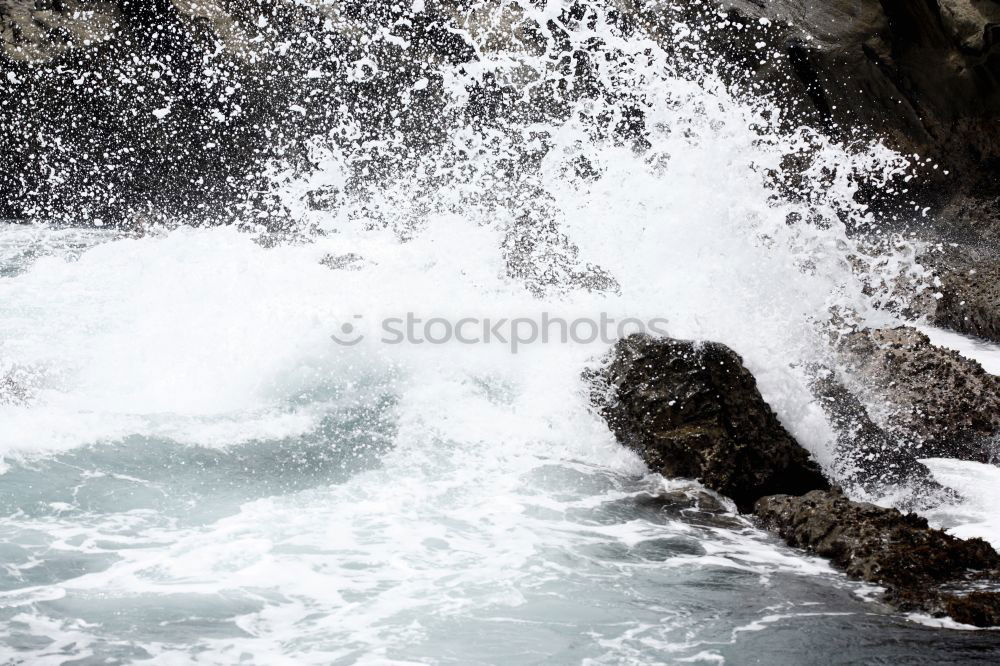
922 569
898 398
123 108
112 105
868 456
970 292
933 401
922 73
172 103
692 410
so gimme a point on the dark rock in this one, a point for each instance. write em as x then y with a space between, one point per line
920 567
970 301
867 455
969 216
172 108
693 410
979 609
83 80
870 459
934 401
921 73
969 290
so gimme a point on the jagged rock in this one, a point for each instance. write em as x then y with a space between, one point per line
922 569
692 410
897 399
934 401
867 452
969 299
923 73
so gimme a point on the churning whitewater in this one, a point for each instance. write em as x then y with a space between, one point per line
196 471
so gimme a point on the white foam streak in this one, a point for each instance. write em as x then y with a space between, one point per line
975 515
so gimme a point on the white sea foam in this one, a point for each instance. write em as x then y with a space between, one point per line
986 353
975 514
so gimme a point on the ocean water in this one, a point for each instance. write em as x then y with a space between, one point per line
195 471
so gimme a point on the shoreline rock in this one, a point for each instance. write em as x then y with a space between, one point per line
969 289
937 403
897 398
868 455
922 569
693 410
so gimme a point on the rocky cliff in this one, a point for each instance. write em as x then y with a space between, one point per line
171 107
170 104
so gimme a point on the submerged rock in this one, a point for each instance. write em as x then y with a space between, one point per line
922 569
692 505
934 401
692 410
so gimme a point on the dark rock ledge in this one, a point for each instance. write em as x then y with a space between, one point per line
896 398
969 299
693 410
936 400
916 564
